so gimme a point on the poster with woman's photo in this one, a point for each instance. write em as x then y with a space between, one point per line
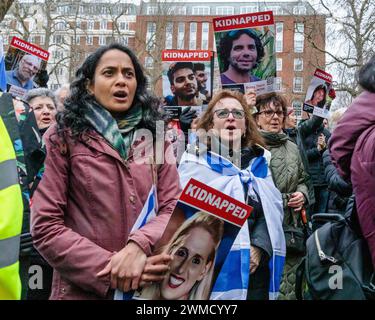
246 51
25 66
317 94
199 236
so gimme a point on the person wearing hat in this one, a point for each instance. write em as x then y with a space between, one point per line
241 51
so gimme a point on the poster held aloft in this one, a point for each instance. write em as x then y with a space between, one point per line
317 94
24 64
246 51
199 236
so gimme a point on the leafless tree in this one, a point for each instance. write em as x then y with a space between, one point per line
4 7
350 42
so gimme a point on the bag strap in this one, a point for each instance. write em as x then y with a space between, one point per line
300 271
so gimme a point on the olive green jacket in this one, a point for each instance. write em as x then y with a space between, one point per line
287 169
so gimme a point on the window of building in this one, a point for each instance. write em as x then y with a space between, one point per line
201 11
149 62
277 10
79 24
297 106
59 71
297 84
78 40
124 26
150 35
249 9
90 25
169 35
299 10
55 86
279 64
60 26
181 36
225 10
42 40
279 36
19 26
178 11
89 40
278 84
58 55
58 39
193 36
152 10
299 37
124 40
205 33
298 64
102 40
31 25
103 25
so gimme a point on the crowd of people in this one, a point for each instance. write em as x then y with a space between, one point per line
88 186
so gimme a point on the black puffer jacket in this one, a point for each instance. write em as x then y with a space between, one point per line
340 191
310 131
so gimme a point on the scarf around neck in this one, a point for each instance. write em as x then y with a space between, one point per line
118 132
274 139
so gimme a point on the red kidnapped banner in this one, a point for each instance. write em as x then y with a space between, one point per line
203 197
29 48
186 55
323 75
249 20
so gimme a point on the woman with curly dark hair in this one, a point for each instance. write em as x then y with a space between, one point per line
94 188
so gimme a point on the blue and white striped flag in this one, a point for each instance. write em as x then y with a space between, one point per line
3 76
148 212
218 172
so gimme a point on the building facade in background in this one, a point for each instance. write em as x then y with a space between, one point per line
70 30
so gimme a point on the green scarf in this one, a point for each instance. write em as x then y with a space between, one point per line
274 139
118 132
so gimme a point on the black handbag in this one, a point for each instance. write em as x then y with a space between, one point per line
337 265
295 240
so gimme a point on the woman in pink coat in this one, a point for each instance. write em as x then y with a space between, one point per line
98 176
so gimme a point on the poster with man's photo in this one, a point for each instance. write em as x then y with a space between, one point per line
25 66
187 77
199 237
245 47
318 93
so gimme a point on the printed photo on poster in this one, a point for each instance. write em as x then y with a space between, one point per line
25 64
199 236
246 50
317 94
187 77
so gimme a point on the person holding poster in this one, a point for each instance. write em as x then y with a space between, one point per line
246 51
229 154
99 136
193 247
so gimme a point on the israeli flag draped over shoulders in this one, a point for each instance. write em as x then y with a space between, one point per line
220 173
3 76
149 211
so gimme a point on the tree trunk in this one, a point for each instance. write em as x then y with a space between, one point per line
4 7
